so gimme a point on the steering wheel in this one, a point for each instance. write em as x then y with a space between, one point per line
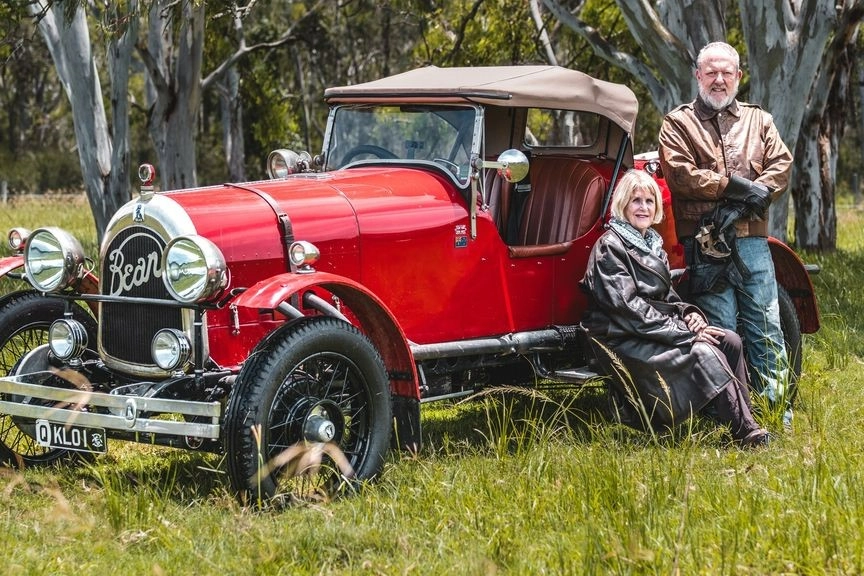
370 149
451 166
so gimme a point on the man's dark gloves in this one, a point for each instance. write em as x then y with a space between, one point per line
756 197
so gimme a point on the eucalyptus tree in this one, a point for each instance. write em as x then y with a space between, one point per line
790 48
102 149
172 54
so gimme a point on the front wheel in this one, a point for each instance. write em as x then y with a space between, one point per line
24 323
309 414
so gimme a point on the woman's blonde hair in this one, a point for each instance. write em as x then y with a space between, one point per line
632 181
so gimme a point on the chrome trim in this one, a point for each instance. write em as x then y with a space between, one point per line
77 335
168 219
128 409
17 239
326 145
451 396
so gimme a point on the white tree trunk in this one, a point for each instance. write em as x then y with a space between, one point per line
537 16
789 39
674 84
174 70
119 63
808 181
70 48
856 188
816 218
232 125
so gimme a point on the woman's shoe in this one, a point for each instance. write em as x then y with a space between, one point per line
756 439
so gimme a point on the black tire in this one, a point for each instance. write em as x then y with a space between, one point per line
792 339
24 322
320 371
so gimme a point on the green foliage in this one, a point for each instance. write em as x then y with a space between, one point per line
472 33
25 173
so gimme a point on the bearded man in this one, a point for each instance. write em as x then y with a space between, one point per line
714 150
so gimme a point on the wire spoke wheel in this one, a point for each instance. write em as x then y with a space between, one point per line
24 324
309 415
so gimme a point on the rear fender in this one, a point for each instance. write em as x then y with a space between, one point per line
373 316
793 276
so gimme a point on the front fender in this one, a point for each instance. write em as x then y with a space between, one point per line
10 263
792 275
375 319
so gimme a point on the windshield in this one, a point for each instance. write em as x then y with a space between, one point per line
432 133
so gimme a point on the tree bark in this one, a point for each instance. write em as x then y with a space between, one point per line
120 50
790 39
232 125
674 84
544 34
856 188
816 218
174 69
69 44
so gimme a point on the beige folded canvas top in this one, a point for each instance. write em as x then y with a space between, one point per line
508 86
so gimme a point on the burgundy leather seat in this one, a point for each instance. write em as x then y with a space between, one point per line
564 203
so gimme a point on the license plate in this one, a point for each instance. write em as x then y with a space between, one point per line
68 437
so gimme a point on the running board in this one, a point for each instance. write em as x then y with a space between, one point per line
581 375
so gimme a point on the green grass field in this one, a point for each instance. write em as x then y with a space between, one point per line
508 483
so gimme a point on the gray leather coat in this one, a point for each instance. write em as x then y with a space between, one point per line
635 312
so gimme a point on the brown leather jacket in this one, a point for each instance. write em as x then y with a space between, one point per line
700 148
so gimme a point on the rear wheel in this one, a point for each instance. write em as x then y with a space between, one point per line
791 337
309 414
24 323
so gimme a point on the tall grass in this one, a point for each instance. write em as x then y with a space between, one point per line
510 482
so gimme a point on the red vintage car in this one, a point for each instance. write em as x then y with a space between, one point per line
433 247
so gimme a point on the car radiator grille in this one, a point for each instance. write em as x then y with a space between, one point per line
131 267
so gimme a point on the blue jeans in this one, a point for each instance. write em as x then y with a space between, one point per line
755 306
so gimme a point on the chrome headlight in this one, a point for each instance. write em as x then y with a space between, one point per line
17 238
303 255
170 349
67 339
282 163
53 259
193 269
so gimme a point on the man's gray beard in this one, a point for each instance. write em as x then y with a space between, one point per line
705 95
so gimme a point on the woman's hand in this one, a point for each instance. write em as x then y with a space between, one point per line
704 332
710 334
695 322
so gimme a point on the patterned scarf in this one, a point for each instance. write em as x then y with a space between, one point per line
651 243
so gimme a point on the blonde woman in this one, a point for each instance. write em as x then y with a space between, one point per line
679 364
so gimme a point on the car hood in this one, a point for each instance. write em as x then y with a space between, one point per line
332 210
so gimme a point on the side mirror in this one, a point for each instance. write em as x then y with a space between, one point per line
512 165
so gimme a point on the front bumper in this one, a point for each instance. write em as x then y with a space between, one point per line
26 396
